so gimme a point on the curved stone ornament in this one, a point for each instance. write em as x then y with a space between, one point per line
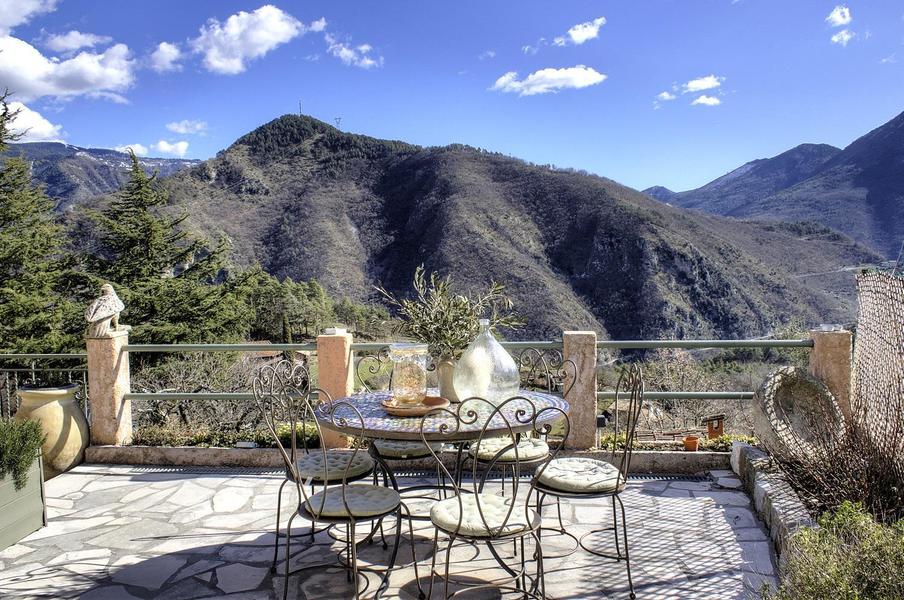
796 414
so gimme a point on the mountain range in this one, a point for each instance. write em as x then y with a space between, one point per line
71 174
858 190
576 251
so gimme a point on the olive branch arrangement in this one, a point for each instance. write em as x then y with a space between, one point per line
447 322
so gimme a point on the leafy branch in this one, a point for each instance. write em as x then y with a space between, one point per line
446 321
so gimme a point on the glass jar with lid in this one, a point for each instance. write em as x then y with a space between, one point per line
408 384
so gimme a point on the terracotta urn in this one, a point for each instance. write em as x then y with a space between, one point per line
63 423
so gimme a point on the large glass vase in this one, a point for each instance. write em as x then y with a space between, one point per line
486 370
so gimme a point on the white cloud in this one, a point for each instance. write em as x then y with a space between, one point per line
702 83
531 50
890 59
843 37
705 100
187 126
228 46
138 149
358 56
165 58
18 12
73 40
318 25
549 80
175 148
665 96
840 16
486 55
33 126
28 73
580 33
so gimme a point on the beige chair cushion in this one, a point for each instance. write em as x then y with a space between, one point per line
403 449
362 500
528 449
446 515
310 466
575 474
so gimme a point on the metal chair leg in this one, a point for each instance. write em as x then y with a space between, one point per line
447 565
276 531
625 534
559 511
615 528
288 541
384 584
433 562
417 577
354 549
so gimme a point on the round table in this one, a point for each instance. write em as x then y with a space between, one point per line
378 424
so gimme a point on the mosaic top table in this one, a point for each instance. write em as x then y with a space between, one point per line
378 424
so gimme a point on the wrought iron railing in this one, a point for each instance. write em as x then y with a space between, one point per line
21 370
675 397
306 348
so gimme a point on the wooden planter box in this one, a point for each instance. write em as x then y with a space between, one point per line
22 512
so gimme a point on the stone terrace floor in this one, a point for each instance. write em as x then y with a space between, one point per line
119 532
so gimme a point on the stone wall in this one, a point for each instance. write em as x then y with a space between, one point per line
775 501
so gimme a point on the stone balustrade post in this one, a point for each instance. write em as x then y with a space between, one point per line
335 373
579 347
108 384
830 362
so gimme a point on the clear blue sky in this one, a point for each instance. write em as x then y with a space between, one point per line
766 75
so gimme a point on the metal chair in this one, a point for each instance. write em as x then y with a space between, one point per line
587 478
397 451
542 369
310 461
283 395
475 516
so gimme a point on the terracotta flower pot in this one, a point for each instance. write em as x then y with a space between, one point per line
63 423
692 443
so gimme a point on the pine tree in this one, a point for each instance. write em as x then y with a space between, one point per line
32 308
174 286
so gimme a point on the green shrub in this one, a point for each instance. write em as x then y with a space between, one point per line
848 557
156 435
719 444
723 442
20 442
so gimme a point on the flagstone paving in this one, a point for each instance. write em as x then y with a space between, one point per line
122 533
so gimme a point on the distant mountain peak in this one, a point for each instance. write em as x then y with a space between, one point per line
858 190
661 193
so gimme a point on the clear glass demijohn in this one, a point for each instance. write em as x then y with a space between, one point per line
486 370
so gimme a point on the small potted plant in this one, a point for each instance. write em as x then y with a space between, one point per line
21 484
692 442
448 322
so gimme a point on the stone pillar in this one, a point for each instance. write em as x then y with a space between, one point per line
108 383
335 372
830 362
580 348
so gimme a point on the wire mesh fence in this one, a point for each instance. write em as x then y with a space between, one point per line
877 379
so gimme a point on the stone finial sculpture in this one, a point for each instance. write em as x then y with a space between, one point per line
103 314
